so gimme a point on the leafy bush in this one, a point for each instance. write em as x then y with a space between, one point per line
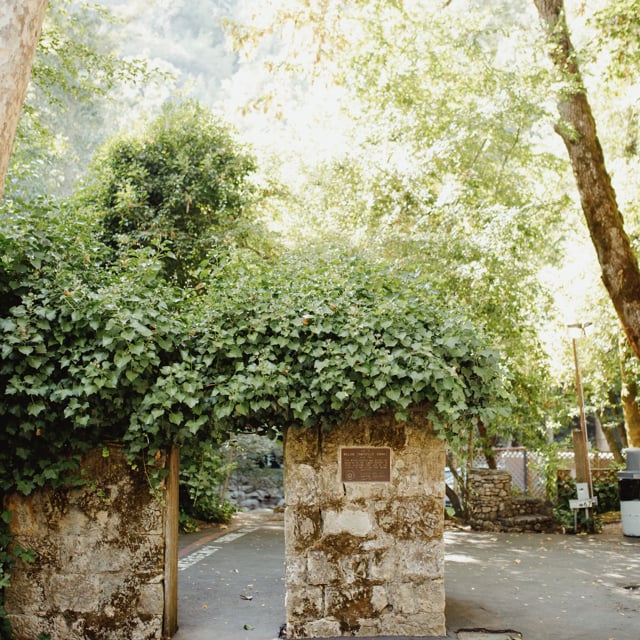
186 523
90 354
84 350
204 471
93 351
608 494
606 490
315 338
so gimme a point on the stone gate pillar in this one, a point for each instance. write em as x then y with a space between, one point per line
99 556
364 529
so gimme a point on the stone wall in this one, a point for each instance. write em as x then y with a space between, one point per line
493 508
490 493
99 558
365 558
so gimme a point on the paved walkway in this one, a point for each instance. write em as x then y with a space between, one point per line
498 586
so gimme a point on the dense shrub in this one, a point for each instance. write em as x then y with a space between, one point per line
94 353
204 473
605 489
94 350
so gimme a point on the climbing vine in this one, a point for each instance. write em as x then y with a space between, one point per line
93 353
94 350
320 337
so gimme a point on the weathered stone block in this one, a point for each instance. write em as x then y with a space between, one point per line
295 572
26 625
148 598
354 569
77 592
412 518
301 485
320 569
306 602
26 595
413 598
419 561
367 629
306 528
325 628
415 625
383 566
350 604
356 522
379 598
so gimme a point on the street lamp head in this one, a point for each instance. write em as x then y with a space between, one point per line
579 330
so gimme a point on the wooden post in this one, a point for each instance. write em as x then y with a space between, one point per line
580 454
583 471
170 622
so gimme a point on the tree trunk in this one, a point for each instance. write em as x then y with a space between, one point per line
487 446
20 26
577 129
460 502
612 434
629 398
454 499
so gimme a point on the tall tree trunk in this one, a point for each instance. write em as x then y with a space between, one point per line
577 129
20 27
612 434
629 397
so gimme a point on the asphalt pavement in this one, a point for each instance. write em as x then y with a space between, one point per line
499 586
231 580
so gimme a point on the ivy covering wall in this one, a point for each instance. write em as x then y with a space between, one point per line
94 352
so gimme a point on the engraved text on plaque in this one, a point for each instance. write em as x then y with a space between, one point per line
366 464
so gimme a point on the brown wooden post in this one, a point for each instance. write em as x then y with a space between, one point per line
580 453
170 623
583 471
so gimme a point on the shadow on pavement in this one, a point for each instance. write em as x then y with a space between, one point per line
498 585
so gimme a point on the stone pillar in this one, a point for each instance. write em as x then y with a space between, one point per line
99 557
490 497
365 558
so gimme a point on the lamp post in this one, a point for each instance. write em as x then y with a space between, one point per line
580 440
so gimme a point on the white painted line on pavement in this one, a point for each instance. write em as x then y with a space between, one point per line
234 535
196 556
208 550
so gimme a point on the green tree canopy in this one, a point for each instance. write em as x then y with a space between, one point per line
183 182
444 169
77 68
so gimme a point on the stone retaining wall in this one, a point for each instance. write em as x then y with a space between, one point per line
365 558
490 493
493 508
99 557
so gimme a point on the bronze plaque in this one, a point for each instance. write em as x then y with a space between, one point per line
366 464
